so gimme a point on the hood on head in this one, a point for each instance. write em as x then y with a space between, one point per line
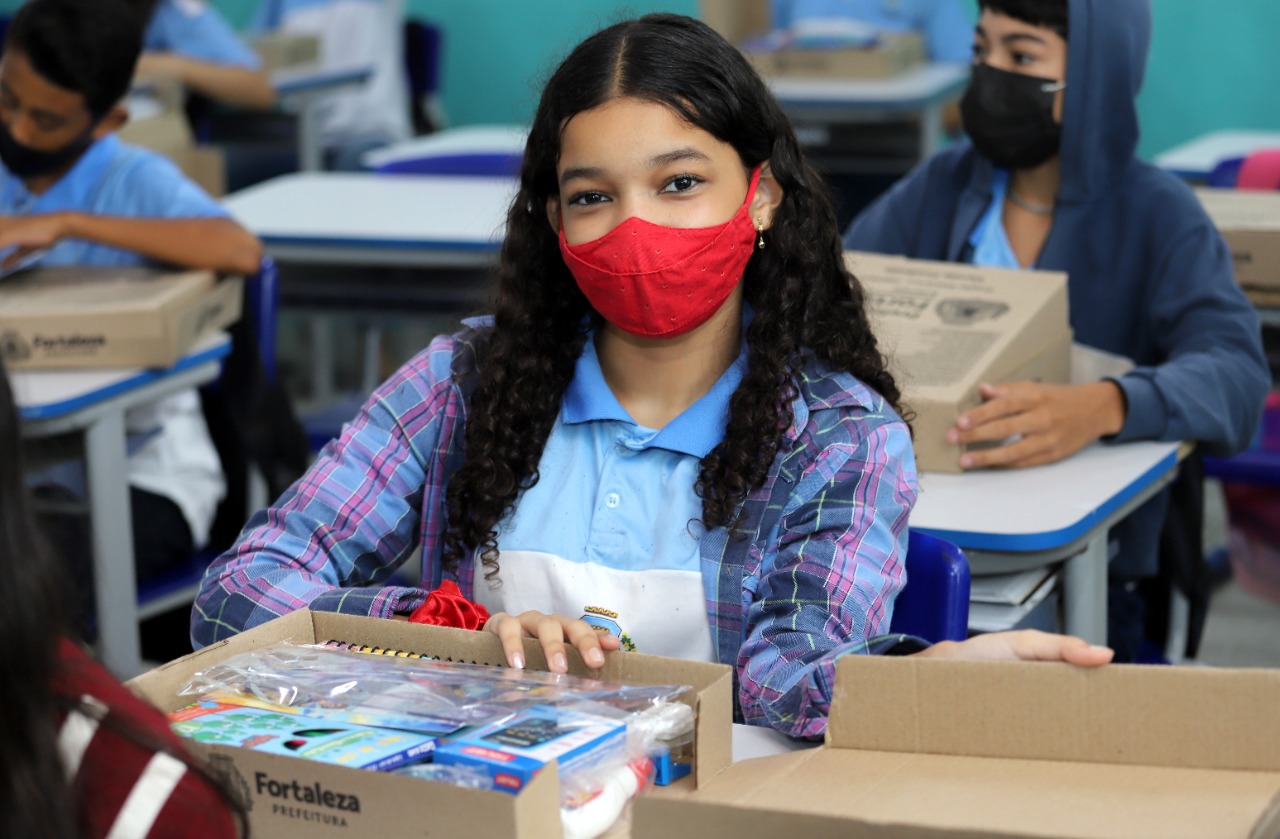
1106 60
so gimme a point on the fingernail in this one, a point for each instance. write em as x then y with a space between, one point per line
595 658
962 421
965 461
517 661
559 663
953 436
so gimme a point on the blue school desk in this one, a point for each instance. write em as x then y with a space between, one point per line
1014 520
302 89
92 404
1195 160
923 92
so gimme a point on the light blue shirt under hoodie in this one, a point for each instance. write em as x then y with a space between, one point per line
610 533
990 241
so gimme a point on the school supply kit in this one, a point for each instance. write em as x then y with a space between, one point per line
482 747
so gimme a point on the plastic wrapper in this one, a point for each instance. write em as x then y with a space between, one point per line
496 727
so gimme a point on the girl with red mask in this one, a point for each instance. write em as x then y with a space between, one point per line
676 434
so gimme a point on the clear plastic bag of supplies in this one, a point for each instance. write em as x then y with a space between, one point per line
494 727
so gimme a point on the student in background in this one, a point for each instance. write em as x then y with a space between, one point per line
367 33
72 194
81 757
190 42
941 23
1050 180
678 414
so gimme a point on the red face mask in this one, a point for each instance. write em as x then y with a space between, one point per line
659 282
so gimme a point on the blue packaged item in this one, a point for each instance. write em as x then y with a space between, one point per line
517 747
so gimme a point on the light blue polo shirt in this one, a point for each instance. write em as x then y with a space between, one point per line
610 532
197 30
947 30
112 179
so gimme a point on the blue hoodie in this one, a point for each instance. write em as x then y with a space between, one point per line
1149 276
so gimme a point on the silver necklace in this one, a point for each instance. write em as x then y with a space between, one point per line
1038 209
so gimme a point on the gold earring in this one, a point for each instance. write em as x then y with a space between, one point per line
760 234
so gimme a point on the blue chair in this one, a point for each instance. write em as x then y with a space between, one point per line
1225 173
179 584
934 605
423 48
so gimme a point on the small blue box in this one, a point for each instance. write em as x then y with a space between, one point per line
516 748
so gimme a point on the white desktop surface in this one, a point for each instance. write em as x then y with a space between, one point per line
1040 507
1197 158
290 81
353 210
46 394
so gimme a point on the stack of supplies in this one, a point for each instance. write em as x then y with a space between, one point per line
471 725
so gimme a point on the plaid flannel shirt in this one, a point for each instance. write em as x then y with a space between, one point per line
809 574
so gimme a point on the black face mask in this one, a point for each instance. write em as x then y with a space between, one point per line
1009 117
25 162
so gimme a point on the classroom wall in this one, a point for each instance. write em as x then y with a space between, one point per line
1213 65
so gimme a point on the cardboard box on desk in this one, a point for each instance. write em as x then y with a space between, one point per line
1250 222
110 317
740 20
892 55
287 796
925 748
946 328
281 50
167 132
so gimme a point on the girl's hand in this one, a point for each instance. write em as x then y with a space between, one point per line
1023 645
553 631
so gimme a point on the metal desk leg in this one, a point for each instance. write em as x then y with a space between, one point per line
115 592
310 153
1084 598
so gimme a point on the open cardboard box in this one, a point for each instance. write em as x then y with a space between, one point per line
946 328
927 748
741 20
1250 222
295 797
111 317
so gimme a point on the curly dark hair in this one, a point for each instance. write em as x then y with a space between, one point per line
806 303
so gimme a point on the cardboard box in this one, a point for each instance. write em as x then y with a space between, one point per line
1250 222
291 797
279 50
162 127
946 328
110 317
924 748
891 56
741 20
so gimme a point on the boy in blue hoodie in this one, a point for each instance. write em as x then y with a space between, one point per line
1050 180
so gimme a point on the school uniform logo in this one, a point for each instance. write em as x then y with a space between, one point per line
604 620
